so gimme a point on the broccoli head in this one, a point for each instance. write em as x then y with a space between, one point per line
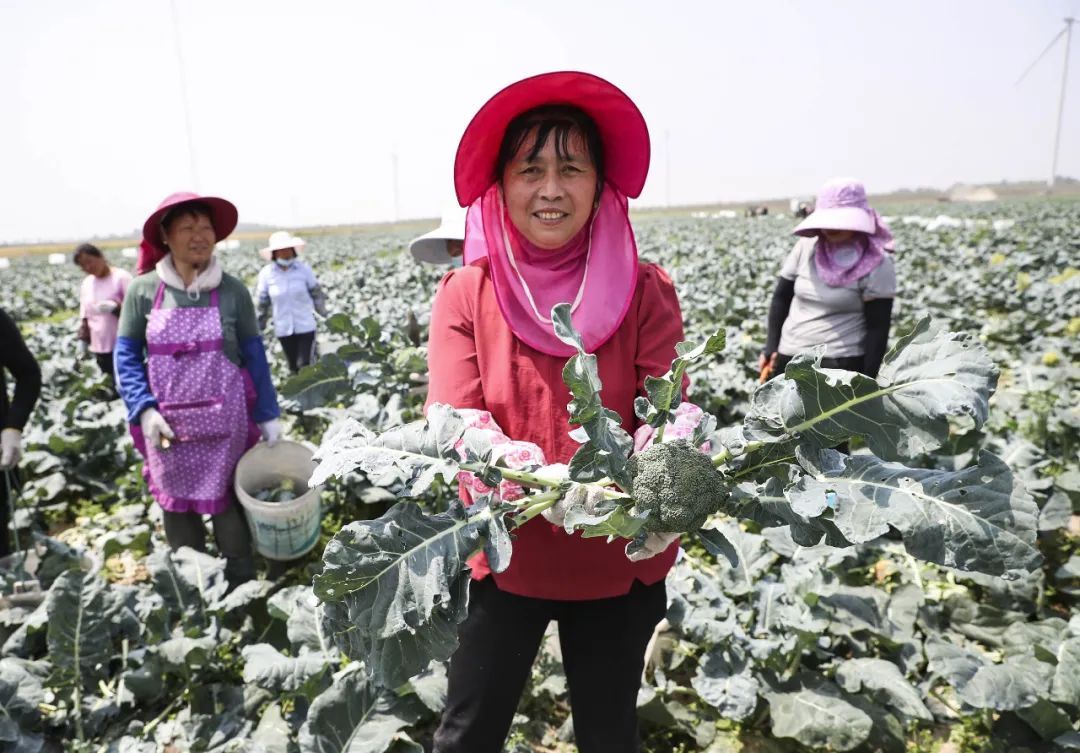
677 485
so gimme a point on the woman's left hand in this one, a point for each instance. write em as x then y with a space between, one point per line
655 543
271 431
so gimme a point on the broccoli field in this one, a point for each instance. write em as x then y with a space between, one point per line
787 629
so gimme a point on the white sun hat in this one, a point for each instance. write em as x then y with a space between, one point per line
431 247
279 241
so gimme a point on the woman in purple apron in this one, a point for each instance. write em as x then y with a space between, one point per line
192 370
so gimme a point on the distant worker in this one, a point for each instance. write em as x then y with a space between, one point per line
288 290
446 243
192 371
836 286
100 297
148 257
16 359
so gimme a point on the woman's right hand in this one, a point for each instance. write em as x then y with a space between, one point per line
766 366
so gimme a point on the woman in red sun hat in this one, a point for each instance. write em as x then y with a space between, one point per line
192 371
546 166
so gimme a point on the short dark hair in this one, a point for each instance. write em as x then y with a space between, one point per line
86 248
563 121
187 209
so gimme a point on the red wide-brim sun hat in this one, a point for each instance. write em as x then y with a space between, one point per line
223 216
622 130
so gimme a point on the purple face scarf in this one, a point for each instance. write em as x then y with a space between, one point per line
847 262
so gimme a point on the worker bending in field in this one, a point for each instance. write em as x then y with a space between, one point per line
446 243
836 287
15 359
100 296
288 289
192 371
548 164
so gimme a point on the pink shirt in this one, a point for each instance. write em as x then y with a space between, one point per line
103 325
476 361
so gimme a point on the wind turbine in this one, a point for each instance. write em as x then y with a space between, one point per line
1067 33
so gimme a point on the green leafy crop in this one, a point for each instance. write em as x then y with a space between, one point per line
677 485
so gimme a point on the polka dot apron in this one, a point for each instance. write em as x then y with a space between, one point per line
205 399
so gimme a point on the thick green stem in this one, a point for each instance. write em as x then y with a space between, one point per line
725 454
534 481
537 505
149 728
521 477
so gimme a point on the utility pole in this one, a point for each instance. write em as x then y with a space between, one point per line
178 48
1061 102
394 160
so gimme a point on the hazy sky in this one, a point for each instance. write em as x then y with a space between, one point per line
297 107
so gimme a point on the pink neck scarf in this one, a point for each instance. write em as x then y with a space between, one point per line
596 272
843 264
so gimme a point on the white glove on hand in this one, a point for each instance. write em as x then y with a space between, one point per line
271 431
654 544
154 427
107 307
10 448
588 497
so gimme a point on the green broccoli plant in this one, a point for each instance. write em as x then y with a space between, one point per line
394 589
677 487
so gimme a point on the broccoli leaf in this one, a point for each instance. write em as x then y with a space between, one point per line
418 451
609 445
395 585
268 668
817 715
884 677
665 392
356 716
1066 684
324 382
719 545
1016 683
726 682
977 519
79 635
926 379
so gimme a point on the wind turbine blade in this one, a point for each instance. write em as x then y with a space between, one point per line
1041 55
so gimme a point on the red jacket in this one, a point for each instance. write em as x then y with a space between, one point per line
476 362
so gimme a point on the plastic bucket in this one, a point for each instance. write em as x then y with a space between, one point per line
281 530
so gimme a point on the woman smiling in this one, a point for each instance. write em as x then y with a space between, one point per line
547 164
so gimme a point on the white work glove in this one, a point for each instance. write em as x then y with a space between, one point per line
107 307
10 448
589 497
154 427
271 431
654 544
